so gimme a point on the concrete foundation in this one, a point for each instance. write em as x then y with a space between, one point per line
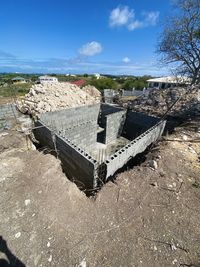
93 142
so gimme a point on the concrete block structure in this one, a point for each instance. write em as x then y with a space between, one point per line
93 142
8 111
112 120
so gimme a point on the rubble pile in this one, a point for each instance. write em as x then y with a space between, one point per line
159 101
54 96
93 91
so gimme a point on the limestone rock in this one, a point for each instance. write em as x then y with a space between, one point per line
56 96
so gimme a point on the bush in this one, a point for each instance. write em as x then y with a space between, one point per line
104 83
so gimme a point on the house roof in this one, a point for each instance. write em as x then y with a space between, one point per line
45 77
171 79
79 82
18 79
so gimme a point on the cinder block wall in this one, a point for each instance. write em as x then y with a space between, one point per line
77 124
79 166
138 145
137 123
112 119
114 125
8 111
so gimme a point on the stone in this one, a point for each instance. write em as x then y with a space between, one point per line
50 258
153 164
27 202
51 97
17 235
185 138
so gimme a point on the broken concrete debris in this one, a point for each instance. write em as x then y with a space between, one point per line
157 102
92 91
153 164
56 96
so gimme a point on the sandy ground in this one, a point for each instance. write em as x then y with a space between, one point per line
148 217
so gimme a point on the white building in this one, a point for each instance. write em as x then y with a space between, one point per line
97 75
18 80
72 75
46 78
167 82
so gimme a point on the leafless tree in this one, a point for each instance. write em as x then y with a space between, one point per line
180 40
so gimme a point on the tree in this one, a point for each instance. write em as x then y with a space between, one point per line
129 84
104 83
180 40
138 83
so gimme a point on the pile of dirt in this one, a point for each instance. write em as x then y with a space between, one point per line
54 96
93 91
159 101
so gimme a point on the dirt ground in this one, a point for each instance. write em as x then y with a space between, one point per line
149 217
5 100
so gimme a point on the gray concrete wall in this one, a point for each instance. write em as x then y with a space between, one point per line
114 125
109 93
77 124
132 92
112 119
138 145
79 166
8 111
137 123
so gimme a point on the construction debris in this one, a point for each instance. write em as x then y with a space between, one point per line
92 91
159 101
54 96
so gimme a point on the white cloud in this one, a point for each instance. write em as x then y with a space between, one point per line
126 60
135 25
121 16
151 18
90 49
84 66
124 16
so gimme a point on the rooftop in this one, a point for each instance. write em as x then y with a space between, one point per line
18 79
171 79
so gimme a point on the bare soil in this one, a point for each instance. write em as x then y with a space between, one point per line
148 217
5 100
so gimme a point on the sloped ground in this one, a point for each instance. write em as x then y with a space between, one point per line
149 217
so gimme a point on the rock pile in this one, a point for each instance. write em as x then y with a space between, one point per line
159 101
54 96
93 91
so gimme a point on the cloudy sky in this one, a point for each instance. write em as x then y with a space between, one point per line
90 36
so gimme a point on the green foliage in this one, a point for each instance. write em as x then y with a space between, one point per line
7 77
128 84
104 83
137 83
14 90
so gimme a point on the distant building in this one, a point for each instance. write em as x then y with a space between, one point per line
79 82
72 75
168 82
46 78
18 80
97 75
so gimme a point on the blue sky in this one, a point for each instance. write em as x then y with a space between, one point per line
104 36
